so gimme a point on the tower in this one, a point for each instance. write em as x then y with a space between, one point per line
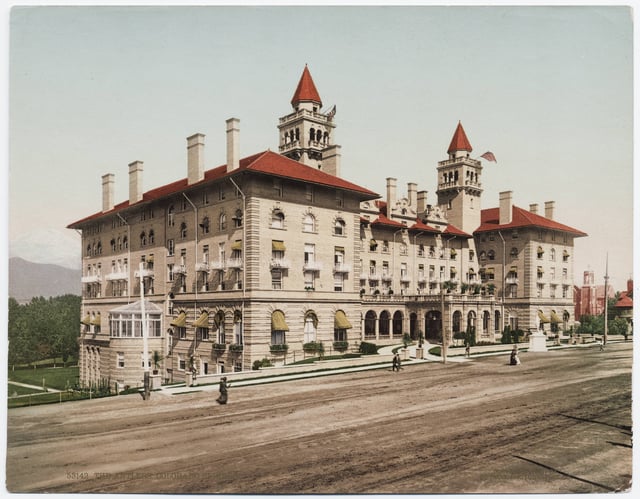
459 188
306 134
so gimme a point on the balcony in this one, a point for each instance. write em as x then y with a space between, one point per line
216 266
312 266
117 276
234 263
405 278
143 273
180 269
341 268
511 280
372 276
202 267
280 263
422 279
87 279
387 276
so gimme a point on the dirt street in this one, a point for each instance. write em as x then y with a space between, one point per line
558 423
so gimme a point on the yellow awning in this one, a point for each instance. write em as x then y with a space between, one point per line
277 321
277 246
513 269
540 270
86 321
453 270
236 246
543 318
203 320
453 252
555 318
96 321
341 321
180 321
150 259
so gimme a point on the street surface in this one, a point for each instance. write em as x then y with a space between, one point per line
558 423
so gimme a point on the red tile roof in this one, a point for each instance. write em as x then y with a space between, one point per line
624 301
419 226
383 220
267 163
306 90
489 221
454 231
459 142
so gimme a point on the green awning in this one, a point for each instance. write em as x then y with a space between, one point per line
96 321
543 318
341 321
203 320
277 246
180 321
86 321
277 321
236 246
555 319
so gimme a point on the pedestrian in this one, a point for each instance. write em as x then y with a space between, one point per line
601 344
398 363
467 350
224 386
394 363
514 360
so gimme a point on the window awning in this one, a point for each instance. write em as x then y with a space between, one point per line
565 253
236 246
180 321
543 318
96 320
453 270
203 320
513 269
277 321
277 246
86 320
540 271
150 259
555 319
341 321
453 252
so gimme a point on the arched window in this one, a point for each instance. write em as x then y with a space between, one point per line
237 219
552 255
99 248
125 242
237 327
277 219
309 223
88 250
483 255
278 328
113 245
383 323
297 134
397 325
370 324
457 321
339 227
312 134
152 237
183 230
205 225
171 216
219 322
310 327
222 221
491 254
143 238
540 252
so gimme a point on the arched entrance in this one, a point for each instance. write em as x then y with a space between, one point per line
370 324
457 321
433 326
413 326
397 323
383 324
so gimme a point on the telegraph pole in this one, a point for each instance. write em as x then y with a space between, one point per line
606 301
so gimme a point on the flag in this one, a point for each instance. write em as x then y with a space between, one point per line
332 113
489 156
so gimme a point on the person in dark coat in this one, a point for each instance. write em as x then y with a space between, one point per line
394 364
515 360
222 399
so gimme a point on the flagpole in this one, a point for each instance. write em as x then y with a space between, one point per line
606 301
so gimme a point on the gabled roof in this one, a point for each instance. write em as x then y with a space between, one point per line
306 90
454 231
459 142
267 163
383 220
624 301
420 226
489 221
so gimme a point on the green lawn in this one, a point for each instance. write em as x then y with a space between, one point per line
54 377
14 390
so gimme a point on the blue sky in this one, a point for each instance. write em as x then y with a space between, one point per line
547 89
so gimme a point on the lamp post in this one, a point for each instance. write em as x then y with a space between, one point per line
606 301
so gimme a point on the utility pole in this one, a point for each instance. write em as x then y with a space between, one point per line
146 395
606 301
444 334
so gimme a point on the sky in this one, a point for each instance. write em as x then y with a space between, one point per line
549 90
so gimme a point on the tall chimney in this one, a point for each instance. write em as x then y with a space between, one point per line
548 209
533 208
233 144
505 207
195 158
391 194
108 182
135 182
331 159
421 203
411 194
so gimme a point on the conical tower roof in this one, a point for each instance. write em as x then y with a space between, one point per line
459 142
306 90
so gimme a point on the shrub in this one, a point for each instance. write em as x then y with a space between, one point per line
340 346
235 347
313 346
368 348
279 348
261 363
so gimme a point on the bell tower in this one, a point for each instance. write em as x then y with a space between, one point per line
306 134
459 187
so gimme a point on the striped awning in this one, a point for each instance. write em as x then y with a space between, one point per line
543 318
341 321
277 321
555 319
96 321
203 320
277 246
180 321
86 320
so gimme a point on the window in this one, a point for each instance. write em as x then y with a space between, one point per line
565 291
540 290
432 251
404 249
277 187
277 219
222 221
309 194
182 333
540 252
276 279
170 275
205 225
120 360
565 256
552 290
237 219
310 326
237 327
182 363
491 254
125 242
171 247
338 228
514 252
205 197
152 237
183 230
421 250
113 245
514 234
565 274
338 281
171 217
472 255
552 255
453 254
309 223
221 192
339 199
385 246
143 239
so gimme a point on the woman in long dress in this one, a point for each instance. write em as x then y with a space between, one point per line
222 399
515 360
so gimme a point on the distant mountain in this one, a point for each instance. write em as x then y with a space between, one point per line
28 279
50 245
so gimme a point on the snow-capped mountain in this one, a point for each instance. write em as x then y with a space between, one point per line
51 246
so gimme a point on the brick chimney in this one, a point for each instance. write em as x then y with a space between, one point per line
548 209
233 144
506 207
108 182
391 194
331 159
135 182
533 208
411 194
195 158
421 202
